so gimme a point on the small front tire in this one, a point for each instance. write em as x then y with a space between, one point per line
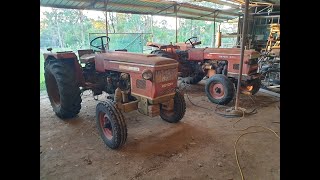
111 124
178 111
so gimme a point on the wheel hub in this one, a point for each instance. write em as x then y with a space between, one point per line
217 91
106 126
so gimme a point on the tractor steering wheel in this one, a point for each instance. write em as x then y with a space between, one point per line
191 41
104 40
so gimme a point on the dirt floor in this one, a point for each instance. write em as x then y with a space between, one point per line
201 146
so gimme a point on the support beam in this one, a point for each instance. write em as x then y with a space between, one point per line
214 33
107 33
224 3
191 32
175 10
244 35
208 14
183 12
152 28
153 9
214 28
134 9
91 5
238 31
191 6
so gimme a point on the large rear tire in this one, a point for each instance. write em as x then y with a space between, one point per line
196 76
219 89
193 79
111 124
178 111
62 87
162 53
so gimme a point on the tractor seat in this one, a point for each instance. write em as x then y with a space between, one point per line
87 58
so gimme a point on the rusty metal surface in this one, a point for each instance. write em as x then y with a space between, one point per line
154 110
79 74
129 57
61 55
86 58
81 52
163 8
195 54
232 55
134 64
130 106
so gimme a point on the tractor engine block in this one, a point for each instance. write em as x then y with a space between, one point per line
107 81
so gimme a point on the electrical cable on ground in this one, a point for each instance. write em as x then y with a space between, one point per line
254 111
235 144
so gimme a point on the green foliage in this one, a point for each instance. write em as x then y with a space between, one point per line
68 29
42 83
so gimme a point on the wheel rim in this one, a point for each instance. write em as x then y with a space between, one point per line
217 90
52 89
105 125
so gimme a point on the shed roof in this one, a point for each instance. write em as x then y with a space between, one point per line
183 8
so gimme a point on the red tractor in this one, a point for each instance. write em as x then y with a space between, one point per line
132 81
220 65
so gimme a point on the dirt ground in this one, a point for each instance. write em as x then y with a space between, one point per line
201 146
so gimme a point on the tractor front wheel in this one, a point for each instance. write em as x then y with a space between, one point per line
178 111
111 124
62 88
219 89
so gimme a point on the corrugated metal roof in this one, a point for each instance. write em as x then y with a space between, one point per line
191 10
153 7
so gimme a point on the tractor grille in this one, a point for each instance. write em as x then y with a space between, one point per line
141 83
166 75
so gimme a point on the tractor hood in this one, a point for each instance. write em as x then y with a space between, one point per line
112 59
129 57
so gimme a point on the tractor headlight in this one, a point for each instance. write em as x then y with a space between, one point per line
147 74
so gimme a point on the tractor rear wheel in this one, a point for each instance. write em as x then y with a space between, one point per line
219 89
251 87
196 76
162 53
111 124
179 109
194 79
62 87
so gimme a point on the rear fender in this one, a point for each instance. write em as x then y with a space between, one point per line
67 56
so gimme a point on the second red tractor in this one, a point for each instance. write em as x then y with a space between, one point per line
220 65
